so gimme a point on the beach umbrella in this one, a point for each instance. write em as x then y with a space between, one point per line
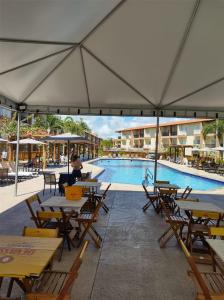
28 142
195 149
66 137
3 140
219 148
206 149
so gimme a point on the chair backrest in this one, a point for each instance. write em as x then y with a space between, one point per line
4 173
73 274
91 180
30 201
73 192
216 231
97 208
40 232
162 181
106 190
49 178
195 271
186 192
206 215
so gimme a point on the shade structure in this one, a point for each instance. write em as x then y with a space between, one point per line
206 149
64 137
113 57
67 137
219 149
28 142
3 140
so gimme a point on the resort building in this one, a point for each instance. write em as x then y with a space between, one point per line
177 134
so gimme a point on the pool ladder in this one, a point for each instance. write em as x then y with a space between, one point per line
148 177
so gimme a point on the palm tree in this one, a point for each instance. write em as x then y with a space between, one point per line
216 127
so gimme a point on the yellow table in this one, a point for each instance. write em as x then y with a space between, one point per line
22 257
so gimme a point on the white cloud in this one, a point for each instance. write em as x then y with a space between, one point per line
105 127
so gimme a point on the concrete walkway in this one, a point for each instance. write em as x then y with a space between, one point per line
130 264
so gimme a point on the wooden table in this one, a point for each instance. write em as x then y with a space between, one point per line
198 206
217 246
166 186
62 202
88 184
22 257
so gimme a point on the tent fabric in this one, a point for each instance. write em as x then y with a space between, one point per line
113 57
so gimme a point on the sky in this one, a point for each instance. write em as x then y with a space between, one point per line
105 127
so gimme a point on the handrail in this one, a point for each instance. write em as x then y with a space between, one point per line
148 175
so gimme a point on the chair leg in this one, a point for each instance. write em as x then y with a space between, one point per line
146 206
9 291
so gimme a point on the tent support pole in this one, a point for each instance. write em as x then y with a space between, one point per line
156 150
17 151
68 154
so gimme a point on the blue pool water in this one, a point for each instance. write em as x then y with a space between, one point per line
133 171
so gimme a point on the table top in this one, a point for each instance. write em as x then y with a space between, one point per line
59 201
88 183
217 246
166 186
202 206
22 256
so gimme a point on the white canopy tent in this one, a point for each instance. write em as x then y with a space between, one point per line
113 57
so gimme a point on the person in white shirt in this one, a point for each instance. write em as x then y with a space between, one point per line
4 155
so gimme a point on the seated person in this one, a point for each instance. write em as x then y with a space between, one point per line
77 166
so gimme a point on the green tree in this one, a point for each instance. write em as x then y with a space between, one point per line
75 127
51 123
216 127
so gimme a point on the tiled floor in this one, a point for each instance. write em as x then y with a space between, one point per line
130 264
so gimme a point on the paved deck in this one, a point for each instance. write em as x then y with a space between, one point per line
130 264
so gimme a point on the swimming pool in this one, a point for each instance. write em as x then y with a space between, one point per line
133 172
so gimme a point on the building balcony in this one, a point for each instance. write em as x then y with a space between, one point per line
197 131
164 134
182 133
165 137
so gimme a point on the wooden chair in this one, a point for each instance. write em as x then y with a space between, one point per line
185 193
34 204
40 232
50 179
35 232
62 222
152 200
215 232
209 285
102 196
4 177
57 285
168 196
176 226
199 224
86 221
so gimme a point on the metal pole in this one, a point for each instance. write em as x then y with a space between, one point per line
17 151
68 154
156 150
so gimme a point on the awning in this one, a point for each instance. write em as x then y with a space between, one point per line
112 57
